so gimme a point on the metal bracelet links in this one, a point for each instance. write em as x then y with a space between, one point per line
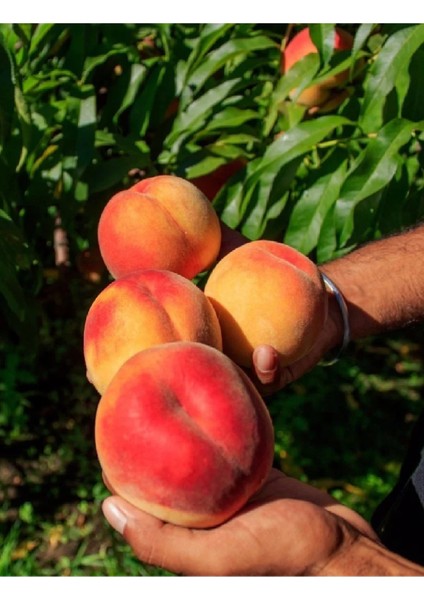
345 317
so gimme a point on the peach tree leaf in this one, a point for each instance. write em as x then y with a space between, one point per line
322 35
309 212
372 174
260 195
391 63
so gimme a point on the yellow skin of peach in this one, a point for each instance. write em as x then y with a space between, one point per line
140 310
182 433
267 293
162 222
324 95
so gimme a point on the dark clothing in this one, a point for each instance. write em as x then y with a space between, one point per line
399 520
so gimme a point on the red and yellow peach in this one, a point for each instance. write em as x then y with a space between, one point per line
140 310
266 292
161 222
183 434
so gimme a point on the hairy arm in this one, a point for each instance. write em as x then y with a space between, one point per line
382 283
365 557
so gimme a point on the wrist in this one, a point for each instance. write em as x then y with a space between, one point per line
339 319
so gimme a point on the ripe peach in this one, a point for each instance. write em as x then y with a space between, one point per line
140 310
267 293
323 96
183 434
161 222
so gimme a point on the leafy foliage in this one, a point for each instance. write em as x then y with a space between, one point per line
87 110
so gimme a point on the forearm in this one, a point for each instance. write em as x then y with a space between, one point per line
364 557
382 283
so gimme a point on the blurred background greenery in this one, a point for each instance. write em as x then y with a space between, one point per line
87 110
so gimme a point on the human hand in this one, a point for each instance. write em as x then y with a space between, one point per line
288 528
267 372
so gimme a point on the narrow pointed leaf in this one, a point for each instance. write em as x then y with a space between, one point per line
218 58
374 172
392 61
322 35
308 214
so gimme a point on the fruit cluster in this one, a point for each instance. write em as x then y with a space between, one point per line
181 431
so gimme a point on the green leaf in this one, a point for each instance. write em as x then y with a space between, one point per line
297 78
23 30
135 79
231 117
93 62
413 104
197 114
295 142
327 238
339 62
309 212
374 171
390 64
39 35
7 104
268 199
86 129
218 58
269 176
241 138
209 36
322 36
11 79
14 254
144 101
361 36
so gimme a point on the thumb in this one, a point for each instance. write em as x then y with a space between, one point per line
154 542
269 372
266 364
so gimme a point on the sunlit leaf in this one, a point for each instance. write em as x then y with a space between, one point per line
373 173
391 62
222 55
322 35
309 212
269 176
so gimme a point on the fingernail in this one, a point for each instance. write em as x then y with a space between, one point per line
114 515
266 362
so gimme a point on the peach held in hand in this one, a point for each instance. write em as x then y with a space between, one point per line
162 222
182 433
267 293
140 310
